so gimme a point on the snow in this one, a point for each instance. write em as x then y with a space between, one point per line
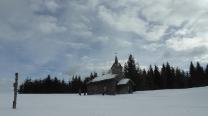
123 81
182 102
104 77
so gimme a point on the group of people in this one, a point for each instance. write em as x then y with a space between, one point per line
82 90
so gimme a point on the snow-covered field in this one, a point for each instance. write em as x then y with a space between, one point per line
183 102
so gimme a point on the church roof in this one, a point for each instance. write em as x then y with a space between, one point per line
104 77
123 81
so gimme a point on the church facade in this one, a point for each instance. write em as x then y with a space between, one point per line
111 83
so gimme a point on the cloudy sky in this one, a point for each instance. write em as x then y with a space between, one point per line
66 37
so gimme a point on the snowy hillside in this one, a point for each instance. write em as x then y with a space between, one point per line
183 102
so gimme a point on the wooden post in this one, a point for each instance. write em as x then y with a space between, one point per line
15 91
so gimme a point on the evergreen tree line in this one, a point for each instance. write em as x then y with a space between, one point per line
153 78
54 85
167 77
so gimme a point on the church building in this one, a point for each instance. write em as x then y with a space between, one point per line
111 83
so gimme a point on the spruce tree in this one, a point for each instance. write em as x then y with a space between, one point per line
200 75
192 71
157 78
150 78
179 81
169 76
206 70
206 75
139 79
130 69
164 77
143 82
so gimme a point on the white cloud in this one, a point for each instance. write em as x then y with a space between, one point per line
156 32
201 59
126 21
45 5
152 46
48 24
156 17
51 5
183 44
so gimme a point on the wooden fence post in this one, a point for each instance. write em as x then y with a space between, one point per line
15 85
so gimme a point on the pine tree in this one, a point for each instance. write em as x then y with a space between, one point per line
164 77
130 70
139 79
192 72
143 83
169 76
206 70
179 79
206 74
157 78
150 78
91 75
200 75
95 75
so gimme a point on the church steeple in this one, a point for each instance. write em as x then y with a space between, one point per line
116 67
116 60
